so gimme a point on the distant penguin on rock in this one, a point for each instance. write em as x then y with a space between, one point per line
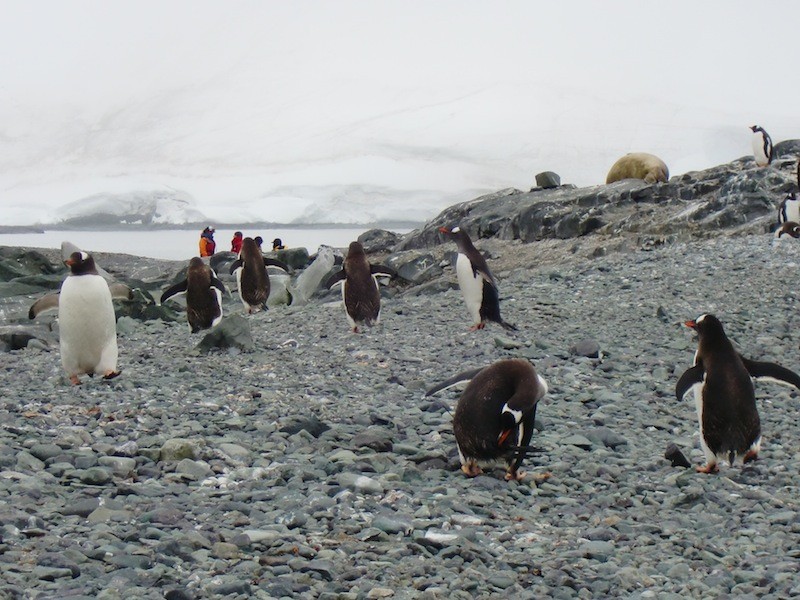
203 295
730 428
478 285
360 289
86 321
251 275
762 146
495 415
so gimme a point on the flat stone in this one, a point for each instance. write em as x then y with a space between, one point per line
360 483
177 449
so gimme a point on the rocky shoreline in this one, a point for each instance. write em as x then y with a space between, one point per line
311 466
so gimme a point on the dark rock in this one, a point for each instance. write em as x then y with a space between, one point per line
378 240
18 262
178 594
16 337
674 455
414 266
548 180
296 258
603 436
221 261
376 438
232 332
310 423
587 348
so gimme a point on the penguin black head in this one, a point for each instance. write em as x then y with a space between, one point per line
81 263
355 249
755 128
706 325
509 421
789 228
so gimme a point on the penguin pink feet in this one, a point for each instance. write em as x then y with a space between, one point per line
515 475
750 456
471 469
111 374
708 469
74 380
480 325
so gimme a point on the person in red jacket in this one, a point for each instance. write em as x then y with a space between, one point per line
236 242
207 244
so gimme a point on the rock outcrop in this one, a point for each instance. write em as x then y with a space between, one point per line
730 198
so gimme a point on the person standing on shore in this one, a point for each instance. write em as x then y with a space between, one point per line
277 244
236 242
207 244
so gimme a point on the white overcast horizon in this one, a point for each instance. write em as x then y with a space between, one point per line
314 111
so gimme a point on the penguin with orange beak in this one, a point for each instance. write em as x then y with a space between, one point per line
721 378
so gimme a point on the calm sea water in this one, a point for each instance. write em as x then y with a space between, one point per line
179 244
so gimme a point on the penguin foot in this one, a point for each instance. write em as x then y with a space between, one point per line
471 470
355 330
515 475
708 469
74 380
480 325
749 457
111 374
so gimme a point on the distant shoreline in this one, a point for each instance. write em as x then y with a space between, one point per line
201 225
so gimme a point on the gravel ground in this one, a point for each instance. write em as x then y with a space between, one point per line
313 467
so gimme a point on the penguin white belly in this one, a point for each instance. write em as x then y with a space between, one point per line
247 307
793 211
87 326
378 288
471 287
344 293
218 294
758 150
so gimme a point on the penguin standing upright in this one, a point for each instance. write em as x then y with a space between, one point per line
251 275
730 427
86 321
478 285
360 290
203 295
789 209
495 415
762 146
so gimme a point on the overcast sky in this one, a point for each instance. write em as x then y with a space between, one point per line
452 96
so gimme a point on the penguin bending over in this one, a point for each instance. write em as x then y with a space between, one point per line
478 285
495 415
86 322
360 290
203 295
730 427
252 278
762 146
790 229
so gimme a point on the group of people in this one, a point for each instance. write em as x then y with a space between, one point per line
208 246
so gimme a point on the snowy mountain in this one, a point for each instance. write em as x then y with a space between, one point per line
133 208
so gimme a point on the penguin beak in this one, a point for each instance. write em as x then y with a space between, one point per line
69 262
444 230
691 324
501 439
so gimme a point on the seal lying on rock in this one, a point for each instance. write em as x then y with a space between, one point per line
639 165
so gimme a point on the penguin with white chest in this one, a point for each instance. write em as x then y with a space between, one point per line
86 321
360 288
495 415
789 209
730 427
478 285
203 295
762 146
252 278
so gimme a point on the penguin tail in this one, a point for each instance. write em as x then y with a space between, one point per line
508 326
731 457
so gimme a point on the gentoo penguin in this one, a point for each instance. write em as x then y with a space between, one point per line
360 290
203 295
86 322
762 146
789 209
252 277
478 285
790 229
726 405
495 414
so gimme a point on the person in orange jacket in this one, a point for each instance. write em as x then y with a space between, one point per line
236 242
207 244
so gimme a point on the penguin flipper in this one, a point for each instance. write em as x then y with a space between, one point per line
691 377
335 278
771 372
237 264
465 376
178 288
382 270
120 291
218 284
273 262
48 302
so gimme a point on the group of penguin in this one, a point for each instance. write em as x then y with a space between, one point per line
494 416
